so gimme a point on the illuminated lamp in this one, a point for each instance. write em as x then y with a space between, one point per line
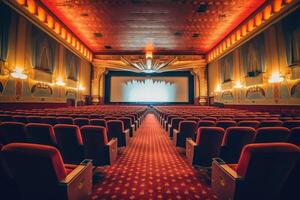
258 19
21 2
77 45
50 21
250 25
218 88
244 30
228 42
276 78
288 1
57 28
238 85
81 48
220 49
73 41
63 33
41 14
232 38
18 73
267 12
31 6
277 5
81 88
60 82
238 34
69 37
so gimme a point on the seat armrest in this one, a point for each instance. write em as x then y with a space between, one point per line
127 136
78 184
190 150
175 131
175 135
112 150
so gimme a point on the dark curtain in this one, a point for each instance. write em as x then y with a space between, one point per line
72 63
291 29
226 68
42 42
5 18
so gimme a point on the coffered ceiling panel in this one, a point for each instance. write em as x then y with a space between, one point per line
172 26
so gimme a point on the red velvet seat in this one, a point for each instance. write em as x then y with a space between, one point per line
69 142
249 123
206 147
110 118
97 147
291 124
128 125
186 129
195 119
81 122
12 132
64 120
96 116
49 120
210 118
271 134
40 173
116 129
270 123
225 124
259 174
20 118
98 122
40 134
234 140
34 119
206 123
294 136
168 121
174 125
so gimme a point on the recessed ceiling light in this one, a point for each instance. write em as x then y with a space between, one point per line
107 47
202 7
84 14
196 35
98 35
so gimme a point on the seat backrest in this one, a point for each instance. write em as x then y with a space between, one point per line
98 122
225 124
64 120
114 128
294 136
291 124
34 119
209 141
6 118
20 118
270 123
265 167
49 120
188 129
175 122
271 134
42 172
95 140
126 121
209 118
195 119
110 118
249 123
205 123
81 121
234 140
40 134
12 132
69 142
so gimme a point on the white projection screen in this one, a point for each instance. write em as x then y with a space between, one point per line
172 89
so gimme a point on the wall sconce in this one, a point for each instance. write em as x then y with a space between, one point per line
238 85
81 88
59 82
19 74
218 89
276 78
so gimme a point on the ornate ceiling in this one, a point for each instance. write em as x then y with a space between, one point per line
172 26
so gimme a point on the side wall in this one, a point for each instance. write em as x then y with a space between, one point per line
265 57
45 61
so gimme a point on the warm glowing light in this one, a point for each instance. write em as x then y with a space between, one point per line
60 82
277 5
238 34
57 28
41 14
244 30
149 54
267 12
275 78
21 2
238 85
218 89
50 21
63 33
250 25
31 5
258 19
81 88
18 73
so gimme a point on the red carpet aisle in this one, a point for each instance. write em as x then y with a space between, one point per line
151 168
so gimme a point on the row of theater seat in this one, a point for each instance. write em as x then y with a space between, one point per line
41 161
255 150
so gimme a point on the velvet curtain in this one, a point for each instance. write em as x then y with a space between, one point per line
5 18
226 68
72 63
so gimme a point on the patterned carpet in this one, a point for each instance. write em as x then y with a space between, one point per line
152 168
